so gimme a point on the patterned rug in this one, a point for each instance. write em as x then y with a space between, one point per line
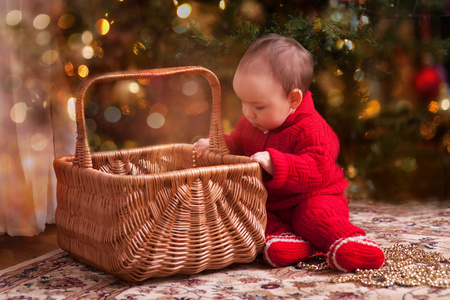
426 225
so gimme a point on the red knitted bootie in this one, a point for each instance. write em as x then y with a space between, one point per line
285 249
356 252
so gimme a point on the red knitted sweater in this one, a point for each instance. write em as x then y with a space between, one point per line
304 150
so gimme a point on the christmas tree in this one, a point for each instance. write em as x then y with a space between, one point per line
380 80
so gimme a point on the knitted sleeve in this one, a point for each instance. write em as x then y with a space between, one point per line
312 166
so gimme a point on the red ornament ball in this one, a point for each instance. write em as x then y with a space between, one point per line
427 82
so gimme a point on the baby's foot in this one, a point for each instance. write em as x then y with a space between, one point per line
357 252
285 249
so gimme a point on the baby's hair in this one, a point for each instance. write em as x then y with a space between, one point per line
290 62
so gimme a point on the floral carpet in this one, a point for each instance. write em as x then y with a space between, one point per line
425 225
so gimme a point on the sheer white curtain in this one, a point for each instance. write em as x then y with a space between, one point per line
34 121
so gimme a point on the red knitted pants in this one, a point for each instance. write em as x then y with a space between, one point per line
320 220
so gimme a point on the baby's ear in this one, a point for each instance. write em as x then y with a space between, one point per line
295 97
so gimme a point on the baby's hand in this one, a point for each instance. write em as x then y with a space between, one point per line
200 147
264 159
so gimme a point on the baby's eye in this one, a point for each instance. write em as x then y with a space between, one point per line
260 107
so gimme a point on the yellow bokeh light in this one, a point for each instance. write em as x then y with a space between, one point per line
373 108
102 26
83 71
71 108
19 112
222 4
133 87
184 11
138 47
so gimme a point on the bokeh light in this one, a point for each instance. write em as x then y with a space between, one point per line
351 171
28 162
433 107
222 4
13 17
155 120
184 10
87 37
189 88
83 71
88 52
102 26
49 57
335 98
75 41
91 127
68 67
112 114
41 21
373 108
133 87
38 142
427 130
108 145
66 21
180 28
195 107
18 112
71 108
445 104
43 38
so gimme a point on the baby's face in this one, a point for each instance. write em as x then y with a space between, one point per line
265 103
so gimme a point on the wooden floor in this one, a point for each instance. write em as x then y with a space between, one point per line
14 250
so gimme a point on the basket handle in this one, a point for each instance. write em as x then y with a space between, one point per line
217 143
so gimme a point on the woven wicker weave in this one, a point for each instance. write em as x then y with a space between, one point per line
147 212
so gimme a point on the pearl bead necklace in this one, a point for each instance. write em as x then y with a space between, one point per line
404 265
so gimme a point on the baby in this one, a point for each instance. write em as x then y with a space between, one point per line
282 131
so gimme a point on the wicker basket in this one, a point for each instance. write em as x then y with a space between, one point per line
148 212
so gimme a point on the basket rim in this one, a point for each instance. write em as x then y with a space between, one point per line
67 160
